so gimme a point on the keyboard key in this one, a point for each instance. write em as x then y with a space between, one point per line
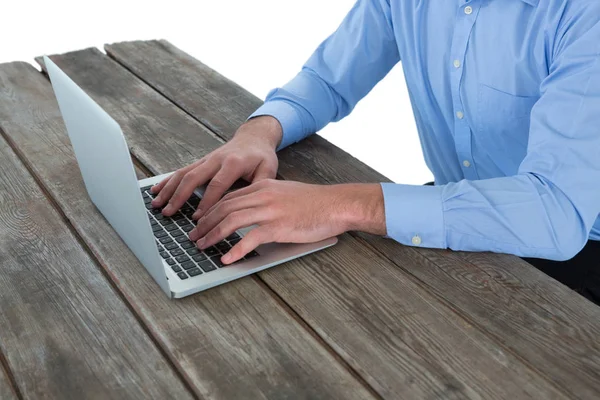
192 251
233 236
156 228
183 222
188 264
160 248
194 201
171 246
199 257
223 247
165 240
171 227
177 252
164 254
211 251
164 221
187 245
147 200
234 241
149 206
217 261
143 189
187 228
159 216
177 215
182 275
206 266
160 234
182 259
170 261
153 222
176 233
194 271
188 213
155 211
183 239
176 268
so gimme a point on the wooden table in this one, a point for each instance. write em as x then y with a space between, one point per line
367 318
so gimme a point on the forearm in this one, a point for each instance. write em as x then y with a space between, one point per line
525 215
358 207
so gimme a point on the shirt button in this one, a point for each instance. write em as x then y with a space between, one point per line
416 240
466 163
456 64
460 115
468 10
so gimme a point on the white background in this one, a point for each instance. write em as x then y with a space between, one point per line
260 44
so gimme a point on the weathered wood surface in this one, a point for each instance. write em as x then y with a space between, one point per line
388 349
533 316
235 341
65 332
7 392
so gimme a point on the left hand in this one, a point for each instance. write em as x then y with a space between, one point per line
290 212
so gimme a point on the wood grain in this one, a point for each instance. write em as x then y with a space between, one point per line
7 391
507 297
235 341
65 332
414 357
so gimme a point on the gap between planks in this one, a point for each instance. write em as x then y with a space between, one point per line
180 372
415 279
5 369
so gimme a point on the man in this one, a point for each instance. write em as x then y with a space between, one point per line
506 95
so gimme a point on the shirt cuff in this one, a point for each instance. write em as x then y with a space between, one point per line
414 215
288 118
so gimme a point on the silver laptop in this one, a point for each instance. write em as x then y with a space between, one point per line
160 243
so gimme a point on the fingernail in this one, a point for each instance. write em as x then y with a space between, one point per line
156 201
226 258
197 214
153 188
193 235
201 242
167 209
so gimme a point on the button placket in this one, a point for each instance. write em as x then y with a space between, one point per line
466 17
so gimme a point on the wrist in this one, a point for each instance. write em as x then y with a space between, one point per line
360 207
264 128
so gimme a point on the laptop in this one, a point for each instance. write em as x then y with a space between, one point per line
160 243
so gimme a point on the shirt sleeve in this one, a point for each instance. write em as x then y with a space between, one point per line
548 209
343 69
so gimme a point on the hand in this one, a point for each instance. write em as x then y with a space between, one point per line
249 155
290 212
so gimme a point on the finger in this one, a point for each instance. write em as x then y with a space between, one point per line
254 187
251 241
217 187
231 223
264 171
166 187
190 181
158 186
219 211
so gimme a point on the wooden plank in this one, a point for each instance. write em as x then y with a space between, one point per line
235 341
65 332
491 291
404 349
7 391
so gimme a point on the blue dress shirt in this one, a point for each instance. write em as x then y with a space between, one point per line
506 96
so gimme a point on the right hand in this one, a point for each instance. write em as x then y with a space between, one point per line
249 155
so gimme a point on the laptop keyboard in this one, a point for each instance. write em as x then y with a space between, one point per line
174 246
